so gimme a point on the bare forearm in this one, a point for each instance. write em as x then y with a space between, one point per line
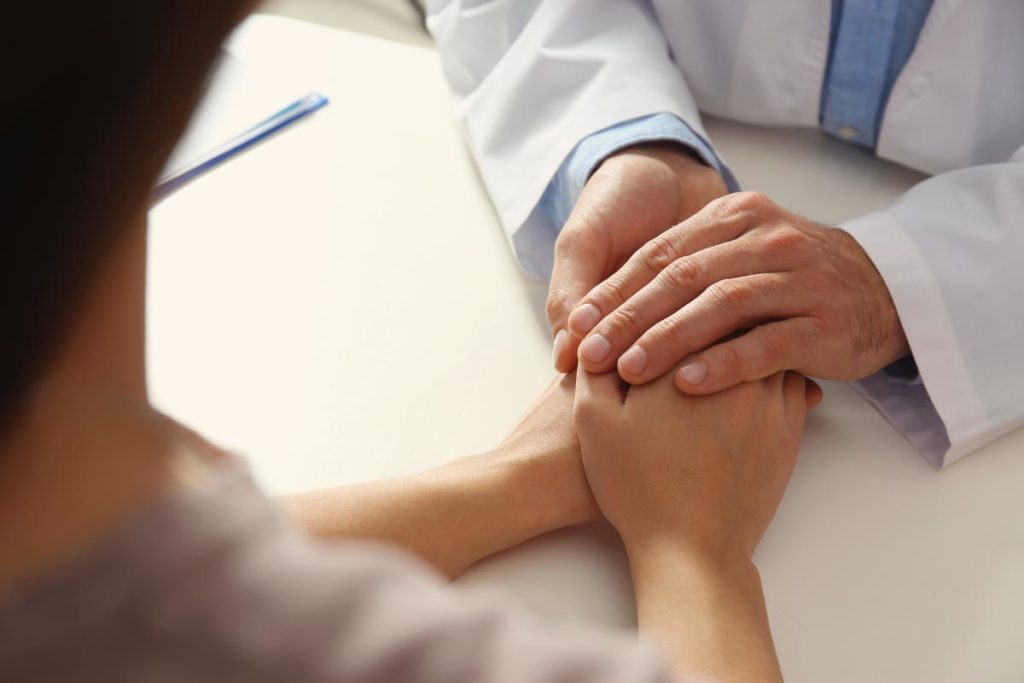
456 514
707 615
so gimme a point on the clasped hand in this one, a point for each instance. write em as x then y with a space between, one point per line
701 472
740 289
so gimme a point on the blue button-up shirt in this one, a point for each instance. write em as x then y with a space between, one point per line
870 43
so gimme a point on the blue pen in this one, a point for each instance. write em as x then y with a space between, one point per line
262 130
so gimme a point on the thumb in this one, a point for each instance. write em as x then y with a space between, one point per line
754 355
580 264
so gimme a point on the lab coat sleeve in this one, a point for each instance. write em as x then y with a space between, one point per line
951 252
566 186
532 78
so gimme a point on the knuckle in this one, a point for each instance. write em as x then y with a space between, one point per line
731 362
557 306
755 200
684 274
731 295
610 294
566 241
774 341
625 322
786 238
658 253
720 206
668 334
745 202
742 204
575 239
815 281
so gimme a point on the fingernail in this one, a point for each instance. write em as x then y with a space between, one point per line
595 348
634 361
694 373
560 340
583 319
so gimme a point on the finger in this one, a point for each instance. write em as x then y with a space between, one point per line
714 224
676 285
598 397
725 307
815 394
580 264
795 394
764 350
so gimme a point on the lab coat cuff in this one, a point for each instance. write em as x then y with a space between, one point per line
934 410
565 187
908 408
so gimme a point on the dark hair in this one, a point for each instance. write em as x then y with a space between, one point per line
95 95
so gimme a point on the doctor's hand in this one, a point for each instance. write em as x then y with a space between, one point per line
740 291
633 196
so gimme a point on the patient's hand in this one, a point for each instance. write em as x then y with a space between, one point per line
702 472
691 484
472 507
544 442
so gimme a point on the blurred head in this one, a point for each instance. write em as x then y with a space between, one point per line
95 96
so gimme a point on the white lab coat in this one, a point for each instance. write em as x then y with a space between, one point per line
534 77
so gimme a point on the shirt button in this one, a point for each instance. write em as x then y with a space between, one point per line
847 132
918 86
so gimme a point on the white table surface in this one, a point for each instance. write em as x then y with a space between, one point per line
340 304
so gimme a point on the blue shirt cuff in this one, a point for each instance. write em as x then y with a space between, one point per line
565 187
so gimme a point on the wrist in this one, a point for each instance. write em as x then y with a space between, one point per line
707 611
697 182
885 337
727 562
552 481
543 489
713 581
